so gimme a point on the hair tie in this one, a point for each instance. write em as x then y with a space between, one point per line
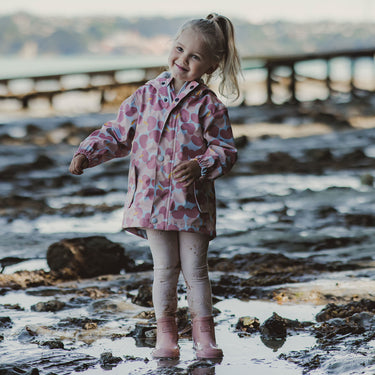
213 17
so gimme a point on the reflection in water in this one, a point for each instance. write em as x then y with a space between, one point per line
274 343
199 367
167 363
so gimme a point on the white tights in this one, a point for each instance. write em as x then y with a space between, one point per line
173 252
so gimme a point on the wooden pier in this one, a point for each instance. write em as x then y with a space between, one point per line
108 76
271 63
268 63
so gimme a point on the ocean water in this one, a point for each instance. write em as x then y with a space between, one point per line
13 66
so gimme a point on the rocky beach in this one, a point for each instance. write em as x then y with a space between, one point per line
292 267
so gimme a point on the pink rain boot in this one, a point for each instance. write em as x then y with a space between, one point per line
166 338
204 338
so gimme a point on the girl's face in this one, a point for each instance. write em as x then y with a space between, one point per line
188 59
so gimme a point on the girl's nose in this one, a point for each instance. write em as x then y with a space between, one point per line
184 60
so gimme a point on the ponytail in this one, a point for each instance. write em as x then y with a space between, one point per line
218 33
229 61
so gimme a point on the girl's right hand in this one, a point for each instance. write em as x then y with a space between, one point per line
78 164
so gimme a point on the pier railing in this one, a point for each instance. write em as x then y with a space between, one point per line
111 81
97 80
271 63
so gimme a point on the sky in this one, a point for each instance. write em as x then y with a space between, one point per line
256 11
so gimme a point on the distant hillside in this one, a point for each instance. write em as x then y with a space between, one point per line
27 35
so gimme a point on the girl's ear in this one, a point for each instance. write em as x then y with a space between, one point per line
212 69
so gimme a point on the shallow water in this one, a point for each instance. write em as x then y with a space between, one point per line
241 353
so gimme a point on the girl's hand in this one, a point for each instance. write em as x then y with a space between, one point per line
187 172
78 164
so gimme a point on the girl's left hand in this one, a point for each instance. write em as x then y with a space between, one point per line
187 172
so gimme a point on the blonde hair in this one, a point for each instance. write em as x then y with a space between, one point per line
218 34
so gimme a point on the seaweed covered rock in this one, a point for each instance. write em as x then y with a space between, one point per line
144 296
52 306
248 324
87 257
344 311
274 327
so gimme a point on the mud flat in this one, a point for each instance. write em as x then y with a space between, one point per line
292 267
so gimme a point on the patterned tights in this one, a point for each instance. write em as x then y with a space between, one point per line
173 252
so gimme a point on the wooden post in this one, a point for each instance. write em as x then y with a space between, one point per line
328 78
25 102
50 100
292 85
352 74
269 83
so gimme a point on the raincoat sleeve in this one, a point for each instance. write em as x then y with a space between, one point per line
221 153
114 139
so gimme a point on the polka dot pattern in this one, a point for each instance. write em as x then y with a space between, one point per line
159 132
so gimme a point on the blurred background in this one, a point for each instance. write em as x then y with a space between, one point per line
41 37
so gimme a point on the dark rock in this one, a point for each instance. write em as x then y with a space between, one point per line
83 323
11 171
86 256
144 296
332 331
319 155
49 363
14 370
273 332
43 162
332 119
144 330
308 359
90 192
228 291
274 327
343 311
51 306
83 210
367 179
241 142
276 162
325 211
259 264
334 243
131 358
248 324
108 361
361 220
5 322
244 288
53 344
355 159
32 129
17 205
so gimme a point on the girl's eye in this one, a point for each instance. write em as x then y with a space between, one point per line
195 57
179 49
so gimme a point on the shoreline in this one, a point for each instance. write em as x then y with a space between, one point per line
295 237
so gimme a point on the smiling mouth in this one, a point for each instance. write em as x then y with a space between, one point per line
181 68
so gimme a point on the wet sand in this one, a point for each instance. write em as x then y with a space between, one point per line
295 237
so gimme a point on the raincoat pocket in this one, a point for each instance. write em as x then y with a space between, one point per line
132 186
204 196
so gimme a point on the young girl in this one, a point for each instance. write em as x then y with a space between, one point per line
180 140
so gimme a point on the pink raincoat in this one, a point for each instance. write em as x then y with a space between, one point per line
160 130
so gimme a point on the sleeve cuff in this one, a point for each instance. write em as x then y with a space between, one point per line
205 164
